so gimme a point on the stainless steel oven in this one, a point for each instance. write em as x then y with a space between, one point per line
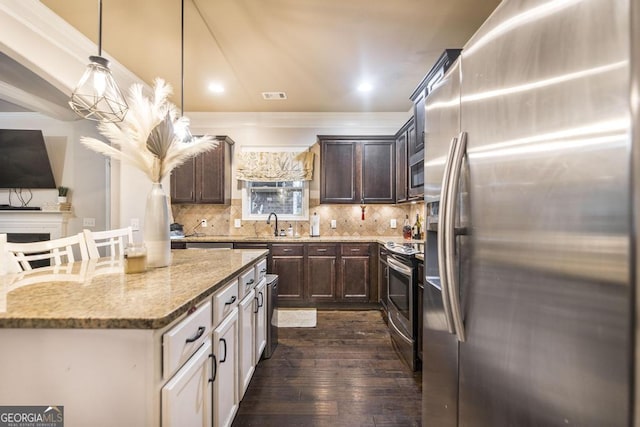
402 306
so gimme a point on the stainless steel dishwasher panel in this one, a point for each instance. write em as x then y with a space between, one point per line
272 315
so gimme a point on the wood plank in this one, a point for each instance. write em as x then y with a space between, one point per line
343 372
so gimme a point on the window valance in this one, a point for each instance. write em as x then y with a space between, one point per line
271 167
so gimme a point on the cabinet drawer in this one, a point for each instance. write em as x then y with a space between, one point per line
286 250
246 282
224 301
355 249
181 341
261 270
319 249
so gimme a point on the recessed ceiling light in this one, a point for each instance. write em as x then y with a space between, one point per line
365 87
216 88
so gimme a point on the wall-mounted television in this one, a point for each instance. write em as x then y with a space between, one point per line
24 162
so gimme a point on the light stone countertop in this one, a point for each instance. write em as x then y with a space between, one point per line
90 295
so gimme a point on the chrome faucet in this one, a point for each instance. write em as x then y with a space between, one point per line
275 228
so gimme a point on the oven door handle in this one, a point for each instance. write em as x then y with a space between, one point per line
407 271
450 236
442 253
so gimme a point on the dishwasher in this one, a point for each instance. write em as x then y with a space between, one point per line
272 315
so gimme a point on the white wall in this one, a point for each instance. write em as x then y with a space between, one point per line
74 166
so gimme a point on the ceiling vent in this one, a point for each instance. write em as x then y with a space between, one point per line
274 96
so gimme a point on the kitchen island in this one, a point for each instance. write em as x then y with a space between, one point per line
93 339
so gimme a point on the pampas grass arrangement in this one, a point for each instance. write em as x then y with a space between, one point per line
146 138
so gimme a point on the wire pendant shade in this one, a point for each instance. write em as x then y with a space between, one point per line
97 96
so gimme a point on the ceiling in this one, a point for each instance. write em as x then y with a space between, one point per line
316 51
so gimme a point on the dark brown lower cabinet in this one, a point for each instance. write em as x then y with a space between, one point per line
313 274
321 272
287 261
354 277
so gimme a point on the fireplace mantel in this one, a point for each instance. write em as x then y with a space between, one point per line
52 222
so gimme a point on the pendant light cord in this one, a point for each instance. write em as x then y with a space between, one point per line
181 61
99 27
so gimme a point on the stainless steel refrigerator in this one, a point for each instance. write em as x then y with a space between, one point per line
529 190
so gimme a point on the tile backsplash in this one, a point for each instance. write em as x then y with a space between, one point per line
377 222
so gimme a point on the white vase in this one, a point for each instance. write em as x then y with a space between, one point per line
156 228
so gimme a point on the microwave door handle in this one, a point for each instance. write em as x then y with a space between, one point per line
450 237
442 265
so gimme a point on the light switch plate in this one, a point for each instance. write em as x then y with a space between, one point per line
334 223
88 222
393 223
237 223
135 224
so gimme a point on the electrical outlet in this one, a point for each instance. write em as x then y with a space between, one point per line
393 223
237 223
135 224
334 223
88 222
203 223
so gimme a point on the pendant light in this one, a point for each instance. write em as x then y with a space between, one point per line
97 96
182 129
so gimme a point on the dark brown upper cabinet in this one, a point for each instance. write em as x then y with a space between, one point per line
416 145
405 134
357 169
205 178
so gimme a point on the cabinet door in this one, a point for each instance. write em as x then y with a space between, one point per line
321 278
354 272
378 172
261 320
402 175
225 386
290 269
210 175
417 144
246 341
355 279
338 172
183 182
186 398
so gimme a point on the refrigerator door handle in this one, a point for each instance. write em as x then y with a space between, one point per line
442 264
450 236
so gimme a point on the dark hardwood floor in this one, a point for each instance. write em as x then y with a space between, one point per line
343 372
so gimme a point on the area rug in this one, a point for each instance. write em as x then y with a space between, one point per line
296 317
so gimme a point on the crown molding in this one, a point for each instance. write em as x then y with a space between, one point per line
320 120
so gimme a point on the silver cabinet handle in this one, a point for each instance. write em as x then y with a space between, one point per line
442 265
450 236
321 250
